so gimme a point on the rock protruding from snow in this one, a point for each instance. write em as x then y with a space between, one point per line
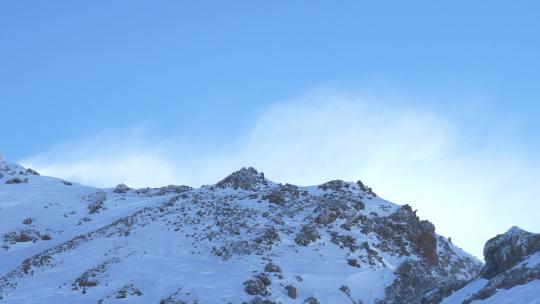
507 250
512 265
276 243
246 178
121 188
365 188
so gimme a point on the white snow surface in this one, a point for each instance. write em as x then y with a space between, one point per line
159 244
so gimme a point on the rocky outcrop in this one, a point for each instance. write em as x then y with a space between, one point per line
306 235
510 262
278 241
507 250
258 285
436 274
403 230
246 179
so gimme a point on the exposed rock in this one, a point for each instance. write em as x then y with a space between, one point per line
404 228
17 180
344 241
507 250
345 290
441 291
24 236
258 285
121 188
327 213
306 235
366 189
291 291
271 267
508 259
311 300
246 178
282 194
269 237
413 281
30 171
259 300
353 263
506 280
335 185
90 277
128 290
248 222
170 300
96 201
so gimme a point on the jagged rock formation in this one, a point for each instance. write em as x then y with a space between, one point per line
511 272
243 240
507 250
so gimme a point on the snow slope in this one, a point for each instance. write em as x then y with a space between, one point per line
511 274
243 240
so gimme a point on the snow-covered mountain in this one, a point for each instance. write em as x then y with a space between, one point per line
244 239
511 274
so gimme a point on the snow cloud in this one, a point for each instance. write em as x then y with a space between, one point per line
407 155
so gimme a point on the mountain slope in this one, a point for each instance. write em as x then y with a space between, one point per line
244 239
511 273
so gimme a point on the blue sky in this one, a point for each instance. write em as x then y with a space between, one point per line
197 85
72 68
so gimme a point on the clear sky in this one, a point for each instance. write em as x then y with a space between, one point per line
432 103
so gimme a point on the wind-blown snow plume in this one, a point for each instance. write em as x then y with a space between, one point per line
407 154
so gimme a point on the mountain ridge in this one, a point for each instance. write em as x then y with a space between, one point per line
245 239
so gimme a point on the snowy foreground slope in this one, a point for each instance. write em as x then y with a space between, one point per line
243 240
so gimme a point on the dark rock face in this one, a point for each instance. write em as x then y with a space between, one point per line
307 234
30 171
419 281
441 291
413 280
282 194
258 285
259 300
335 185
271 267
365 188
17 180
121 188
505 267
270 237
128 290
403 228
344 241
311 300
246 178
291 291
507 250
509 279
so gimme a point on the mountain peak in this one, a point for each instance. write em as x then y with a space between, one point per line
508 249
515 230
246 178
12 168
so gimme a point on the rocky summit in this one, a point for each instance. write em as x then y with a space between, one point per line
244 239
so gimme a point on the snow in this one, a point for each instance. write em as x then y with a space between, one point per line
162 243
464 293
522 294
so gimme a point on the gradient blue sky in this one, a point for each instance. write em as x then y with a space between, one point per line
195 80
205 68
